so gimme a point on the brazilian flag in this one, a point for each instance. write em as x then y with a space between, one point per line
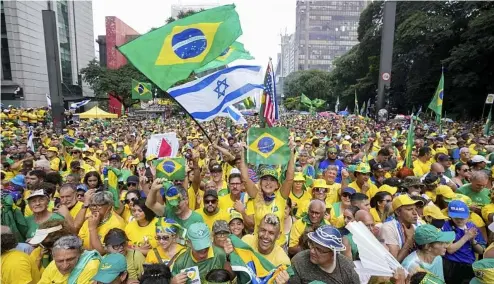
268 146
169 54
141 91
230 54
170 168
251 266
112 183
69 141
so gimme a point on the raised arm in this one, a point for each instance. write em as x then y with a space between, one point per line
250 186
290 172
151 200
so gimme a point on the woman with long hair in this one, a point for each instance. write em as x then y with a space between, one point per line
130 198
93 180
142 230
381 206
339 207
462 174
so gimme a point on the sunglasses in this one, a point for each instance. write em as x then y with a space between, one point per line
214 201
320 190
75 152
118 247
128 201
80 195
162 238
332 153
466 170
132 184
346 194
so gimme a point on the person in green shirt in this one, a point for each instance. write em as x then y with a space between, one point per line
476 189
200 258
177 204
38 202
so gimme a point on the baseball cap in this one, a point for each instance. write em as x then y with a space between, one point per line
212 193
363 168
427 234
114 157
377 167
82 187
235 215
349 190
41 234
479 159
299 177
75 165
320 183
269 172
446 192
411 181
53 149
403 200
332 150
215 168
199 237
115 237
110 267
134 179
352 168
434 212
431 179
172 196
39 192
483 271
458 209
220 226
388 188
443 158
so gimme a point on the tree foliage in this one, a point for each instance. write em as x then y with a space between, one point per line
455 35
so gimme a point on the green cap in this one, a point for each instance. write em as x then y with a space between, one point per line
363 168
199 236
110 267
427 234
352 168
430 278
483 271
269 172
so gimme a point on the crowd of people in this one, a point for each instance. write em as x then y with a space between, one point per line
62 224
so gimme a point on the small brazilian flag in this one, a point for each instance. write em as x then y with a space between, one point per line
268 146
112 183
169 54
141 91
170 168
230 54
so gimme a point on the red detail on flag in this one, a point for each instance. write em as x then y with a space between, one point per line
165 149
268 97
114 105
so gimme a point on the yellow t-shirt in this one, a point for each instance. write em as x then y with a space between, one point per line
51 275
55 164
370 192
375 215
486 210
277 255
18 267
298 201
192 198
75 210
137 234
210 219
297 231
420 168
225 202
115 221
277 207
165 258
333 193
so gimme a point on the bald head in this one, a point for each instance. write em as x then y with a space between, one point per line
364 216
437 168
317 205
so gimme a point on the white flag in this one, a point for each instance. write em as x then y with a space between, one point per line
337 105
30 144
48 100
163 145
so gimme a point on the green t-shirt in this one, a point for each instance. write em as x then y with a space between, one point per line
32 226
216 260
193 218
135 261
479 198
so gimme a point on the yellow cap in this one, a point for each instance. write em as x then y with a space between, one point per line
151 157
320 183
363 168
391 189
434 212
464 198
403 200
135 161
53 149
345 142
446 192
235 215
299 177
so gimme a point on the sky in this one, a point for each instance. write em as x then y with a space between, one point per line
262 20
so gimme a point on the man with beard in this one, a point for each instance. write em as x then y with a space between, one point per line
322 262
17 267
33 178
332 159
362 181
236 200
211 212
309 223
68 201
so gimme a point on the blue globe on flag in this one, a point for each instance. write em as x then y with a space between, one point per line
169 167
265 145
189 43
140 88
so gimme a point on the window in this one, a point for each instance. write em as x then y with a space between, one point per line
64 39
6 67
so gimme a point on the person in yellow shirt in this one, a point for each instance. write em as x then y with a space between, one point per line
319 191
362 181
52 156
422 165
71 264
330 174
298 194
211 212
69 205
142 230
381 206
17 266
101 221
167 248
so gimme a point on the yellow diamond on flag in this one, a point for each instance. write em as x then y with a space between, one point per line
169 167
265 145
141 89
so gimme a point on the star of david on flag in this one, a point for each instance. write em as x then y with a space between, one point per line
268 146
170 168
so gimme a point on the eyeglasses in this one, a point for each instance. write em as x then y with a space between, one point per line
132 184
221 235
162 238
75 152
320 190
128 201
332 153
118 247
97 206
212 201
317 249
235 183
466 170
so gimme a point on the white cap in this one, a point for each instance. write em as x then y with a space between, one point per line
479 159
235 171
39 192
347 137
41 234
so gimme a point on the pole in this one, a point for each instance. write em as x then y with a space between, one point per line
483 109
387 39
53 68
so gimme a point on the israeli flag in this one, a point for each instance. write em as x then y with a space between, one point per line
30 144
207 97
234 114
79 104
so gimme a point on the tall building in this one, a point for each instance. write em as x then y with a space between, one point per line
24 69
177 8
287 59
325 30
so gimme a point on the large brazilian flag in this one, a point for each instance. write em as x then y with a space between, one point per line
170 53
230 54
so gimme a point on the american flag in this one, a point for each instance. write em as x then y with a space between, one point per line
270 103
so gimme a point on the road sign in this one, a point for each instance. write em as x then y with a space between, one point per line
385 76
